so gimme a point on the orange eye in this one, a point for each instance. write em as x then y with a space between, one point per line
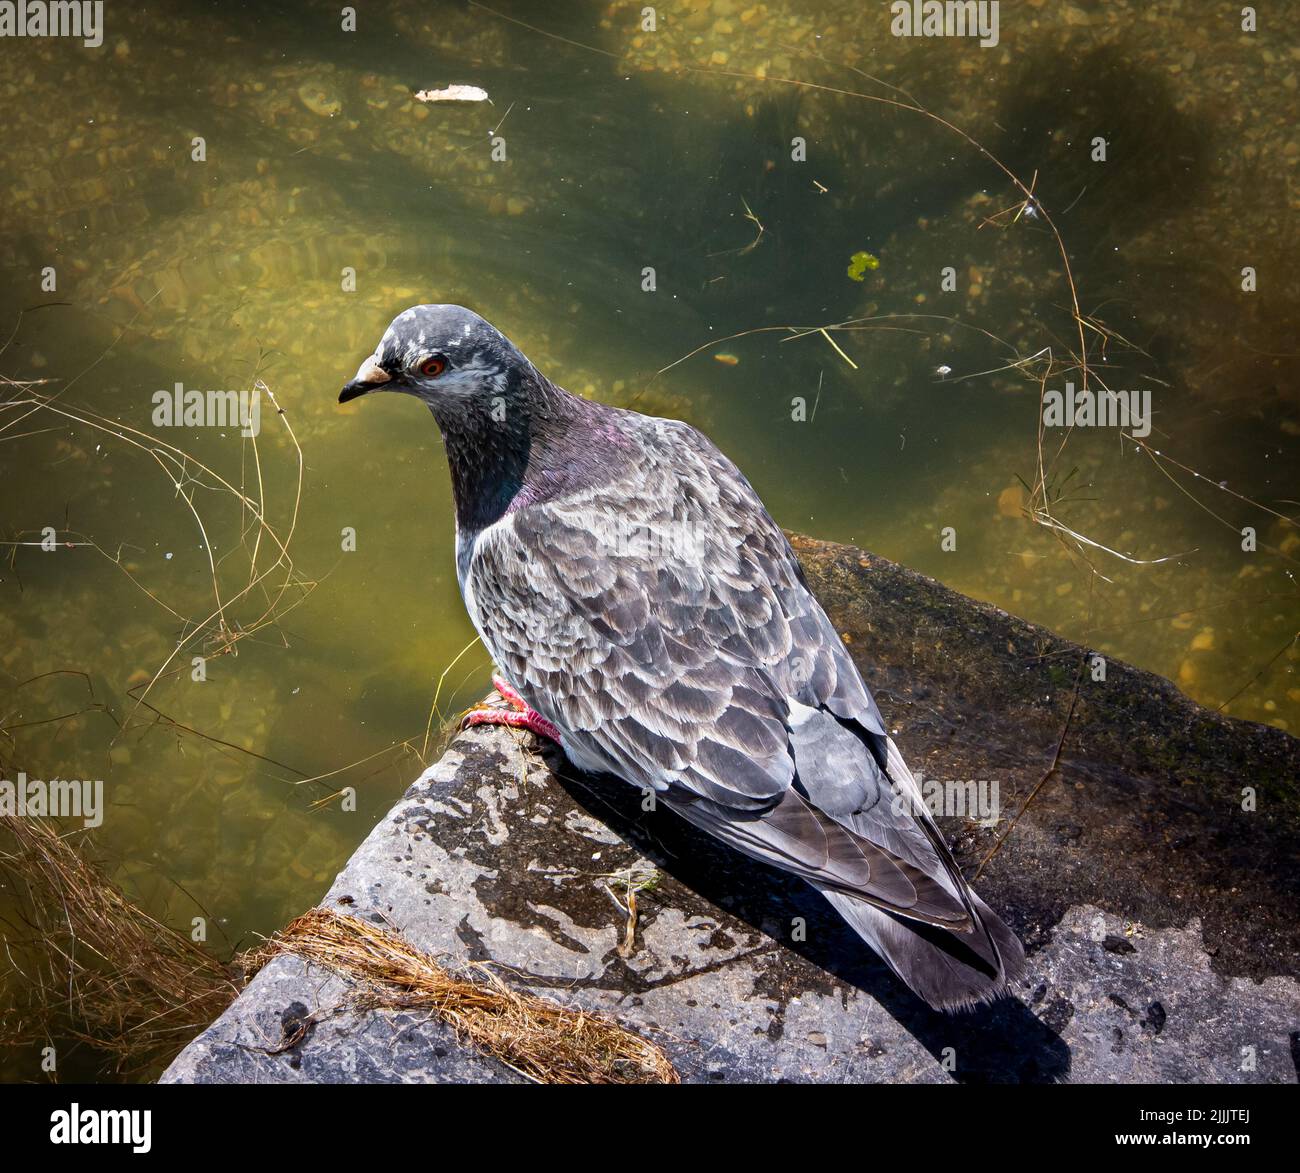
433 367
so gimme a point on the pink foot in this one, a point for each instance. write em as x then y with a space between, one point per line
518 716
508 694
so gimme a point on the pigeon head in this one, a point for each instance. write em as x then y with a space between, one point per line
444 354
510 434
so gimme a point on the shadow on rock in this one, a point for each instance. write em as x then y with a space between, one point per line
1000 1043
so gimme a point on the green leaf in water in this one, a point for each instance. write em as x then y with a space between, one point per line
859 263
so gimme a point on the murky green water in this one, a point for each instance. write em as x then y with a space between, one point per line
628 149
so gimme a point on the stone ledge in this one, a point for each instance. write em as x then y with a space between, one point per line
500 852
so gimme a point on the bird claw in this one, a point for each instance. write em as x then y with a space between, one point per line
508 694
518 716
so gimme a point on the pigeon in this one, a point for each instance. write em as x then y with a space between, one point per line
649 615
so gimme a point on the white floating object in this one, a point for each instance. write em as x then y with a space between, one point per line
453 94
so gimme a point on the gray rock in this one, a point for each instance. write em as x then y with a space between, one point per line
1161 930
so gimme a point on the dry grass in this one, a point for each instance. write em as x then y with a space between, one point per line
94 968
541 1040
89 965
254 583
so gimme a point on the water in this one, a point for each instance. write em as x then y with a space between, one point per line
624 151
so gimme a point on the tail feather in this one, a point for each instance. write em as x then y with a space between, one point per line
951 971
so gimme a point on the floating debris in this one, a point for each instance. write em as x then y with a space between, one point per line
859 263
453 94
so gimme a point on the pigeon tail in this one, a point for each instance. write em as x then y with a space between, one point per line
951 971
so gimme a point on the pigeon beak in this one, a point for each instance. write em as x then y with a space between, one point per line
370 376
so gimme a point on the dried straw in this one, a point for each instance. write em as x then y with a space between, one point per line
541 1040
93 966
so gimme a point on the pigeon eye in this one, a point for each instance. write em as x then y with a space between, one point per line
433 366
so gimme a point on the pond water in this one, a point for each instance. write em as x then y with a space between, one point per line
241 195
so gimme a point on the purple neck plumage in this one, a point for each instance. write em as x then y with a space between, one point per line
532 443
